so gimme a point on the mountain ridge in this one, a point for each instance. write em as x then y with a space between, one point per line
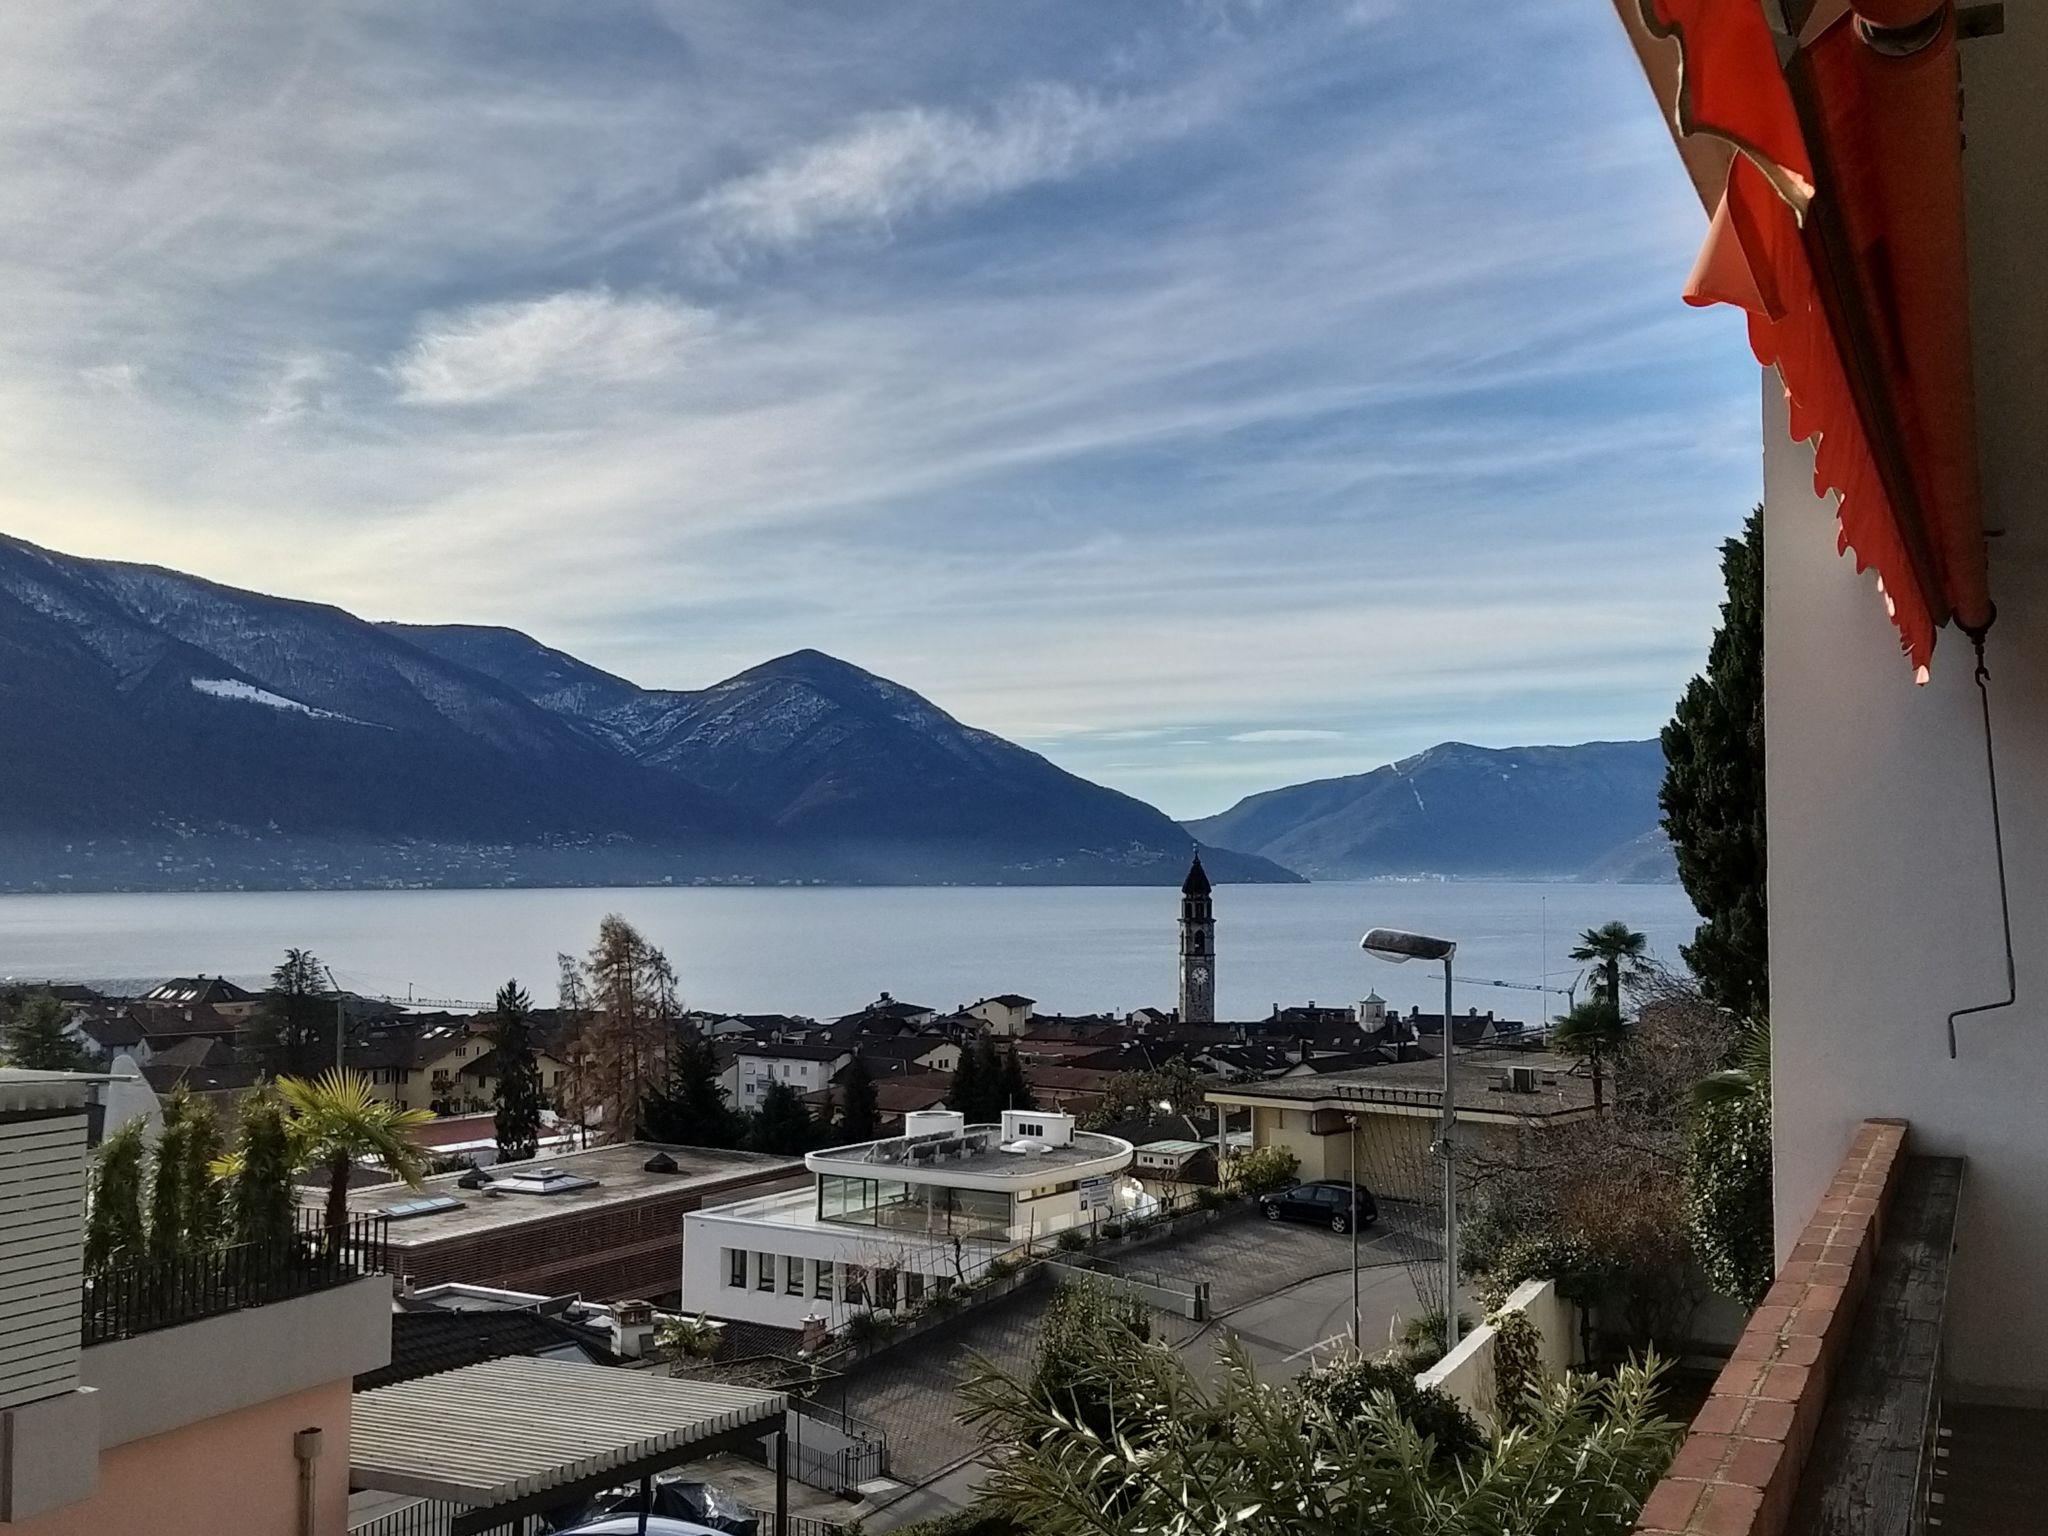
169 732
1587 811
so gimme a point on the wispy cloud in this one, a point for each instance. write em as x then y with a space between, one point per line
885 166
588 337
1283 736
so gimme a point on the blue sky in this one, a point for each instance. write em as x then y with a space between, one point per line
1209 395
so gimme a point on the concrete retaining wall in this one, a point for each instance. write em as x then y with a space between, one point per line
1467 1371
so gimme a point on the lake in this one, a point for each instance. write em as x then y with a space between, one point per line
827 951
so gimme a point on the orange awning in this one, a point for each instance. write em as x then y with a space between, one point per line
1839 231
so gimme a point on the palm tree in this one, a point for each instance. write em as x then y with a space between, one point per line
336 1120
1593 1029
1748 1073
1608 946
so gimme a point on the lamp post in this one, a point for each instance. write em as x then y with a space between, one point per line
1394 945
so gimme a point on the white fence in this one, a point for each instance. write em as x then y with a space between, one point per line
1467 1371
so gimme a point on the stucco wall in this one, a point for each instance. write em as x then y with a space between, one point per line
234 1473
1467 1372
1884 911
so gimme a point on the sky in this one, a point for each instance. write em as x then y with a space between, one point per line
1208 394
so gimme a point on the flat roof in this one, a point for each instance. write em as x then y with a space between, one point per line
500 1431
1419 1085
619 1170
978 1156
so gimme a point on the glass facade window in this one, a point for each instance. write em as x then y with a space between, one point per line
736 1268
822 1282
792 1275
764 1271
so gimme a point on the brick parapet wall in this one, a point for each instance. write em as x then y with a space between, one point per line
1739 1468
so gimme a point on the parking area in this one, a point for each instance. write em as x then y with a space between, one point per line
1284 1290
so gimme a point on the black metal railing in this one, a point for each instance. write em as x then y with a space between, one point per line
142 1294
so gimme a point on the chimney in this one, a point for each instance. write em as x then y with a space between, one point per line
632 1328
1304 1042
813 1338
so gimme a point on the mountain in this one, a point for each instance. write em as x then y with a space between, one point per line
1585 812
833 756
167 732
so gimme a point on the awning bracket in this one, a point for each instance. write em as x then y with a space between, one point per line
1983 678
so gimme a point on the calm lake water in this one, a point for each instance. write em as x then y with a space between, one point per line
824 952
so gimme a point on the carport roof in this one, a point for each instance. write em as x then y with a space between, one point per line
504 1430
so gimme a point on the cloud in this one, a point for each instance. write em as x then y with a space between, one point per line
121 378
888 165
1281 736
296 389
581 337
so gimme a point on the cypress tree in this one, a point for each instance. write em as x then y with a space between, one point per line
988 1070
518 1093
167 1193
860 1115
260 1199
202 1210
968 1092
114 1231
1016 1091
1713 792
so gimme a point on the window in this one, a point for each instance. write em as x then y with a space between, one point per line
821 1284
885 1289
764 1271
913 1288
856 1286
736 1268
792 1275
1030 1128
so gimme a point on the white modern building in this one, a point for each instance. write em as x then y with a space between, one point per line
887 1223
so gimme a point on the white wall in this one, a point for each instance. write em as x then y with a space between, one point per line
1467 1373
709 1235
1884 912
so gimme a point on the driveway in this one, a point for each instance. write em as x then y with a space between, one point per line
1283 1290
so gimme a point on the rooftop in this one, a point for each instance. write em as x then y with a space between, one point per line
619 1173
1559 1090
972 1154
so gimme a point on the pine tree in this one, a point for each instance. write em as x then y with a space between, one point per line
968 1092
1016 1091
1713 793
35 1036
860 1115
261 1203
690 1109
293 1029
782 1124
623 999
519 1096
114 1231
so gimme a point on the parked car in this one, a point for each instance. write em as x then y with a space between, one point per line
1327 1202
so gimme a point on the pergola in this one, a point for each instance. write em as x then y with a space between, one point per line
505 1439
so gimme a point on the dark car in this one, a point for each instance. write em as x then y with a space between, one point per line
1327 1202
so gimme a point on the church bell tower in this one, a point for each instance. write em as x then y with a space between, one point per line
1197 947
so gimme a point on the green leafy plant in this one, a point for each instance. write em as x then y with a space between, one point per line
1263 1170
1728 1195
1111 1229
114 1231
1072 1240
864 1330
1154 1446
1346 1387
999 1268
690 1338
1210 1198
1517 1366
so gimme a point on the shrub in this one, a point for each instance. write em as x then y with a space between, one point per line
1517 1367
1210 1198
999 1269
1263 1170
1728 1195
1344 1389
1073 1240
1112 1229
866 1329
1421 1339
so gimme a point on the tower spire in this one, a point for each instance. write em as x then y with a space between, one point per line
1197 946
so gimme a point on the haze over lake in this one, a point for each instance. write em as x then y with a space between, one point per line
827 951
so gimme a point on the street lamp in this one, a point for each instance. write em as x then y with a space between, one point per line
1399 947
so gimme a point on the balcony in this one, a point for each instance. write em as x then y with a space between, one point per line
140 1297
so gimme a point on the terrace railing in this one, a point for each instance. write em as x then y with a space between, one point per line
142 1294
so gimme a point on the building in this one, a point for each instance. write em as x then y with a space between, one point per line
605 1223
757 1063
208 991
1197 947
1377 1124
1006 1014
219 1404
883 1222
